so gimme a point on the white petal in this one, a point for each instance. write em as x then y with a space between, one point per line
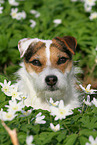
88 86
82 87
61 104
39 114
91 139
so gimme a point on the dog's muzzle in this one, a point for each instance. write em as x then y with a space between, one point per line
51 80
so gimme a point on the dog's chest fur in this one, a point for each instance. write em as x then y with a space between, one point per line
47 71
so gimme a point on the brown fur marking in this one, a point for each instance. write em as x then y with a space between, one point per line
39 55
54 57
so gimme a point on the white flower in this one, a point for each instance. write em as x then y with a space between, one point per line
1 8
11 90
13 2
93 16
1 114
15 94
55 128
17 15
29 140
24 97
30 101
57 22
14 106
14 13
39 119
7 116
96 48
74 0
61 111
33 23
87 8
21 15
90 2
92 141
80 110
88 101
94 101
52 102
34 12
26 113
87 90
6 87
1 1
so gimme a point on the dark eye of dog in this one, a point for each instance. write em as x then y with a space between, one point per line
36 62
62 60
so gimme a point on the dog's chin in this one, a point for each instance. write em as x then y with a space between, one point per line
53 92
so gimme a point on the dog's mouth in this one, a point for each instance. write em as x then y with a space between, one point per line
52 88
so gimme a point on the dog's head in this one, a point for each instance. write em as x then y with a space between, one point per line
48 62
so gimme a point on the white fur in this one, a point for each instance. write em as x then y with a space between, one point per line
34 86
48 43
24 44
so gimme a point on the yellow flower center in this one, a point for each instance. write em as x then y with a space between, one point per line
55 128
62 111
15 108
6 89
90 1
53 104
14 14
94 16
14 94
88 90
8 115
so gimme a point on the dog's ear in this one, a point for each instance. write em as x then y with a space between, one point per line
68 42
23 44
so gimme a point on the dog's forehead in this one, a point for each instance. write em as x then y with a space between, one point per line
48 44
47 53
37 49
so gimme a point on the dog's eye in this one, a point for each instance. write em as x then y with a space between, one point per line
36 62
62 60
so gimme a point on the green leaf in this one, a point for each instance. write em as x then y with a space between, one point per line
88 122
45 137
71 139
22 137
61 136
2 98
88 132
83 140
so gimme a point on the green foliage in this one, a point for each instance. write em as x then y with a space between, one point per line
75 22
75 129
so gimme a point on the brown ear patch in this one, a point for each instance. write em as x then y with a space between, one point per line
66 44
71 43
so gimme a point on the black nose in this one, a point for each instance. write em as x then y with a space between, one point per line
51 80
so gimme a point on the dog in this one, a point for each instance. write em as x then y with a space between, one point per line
47 71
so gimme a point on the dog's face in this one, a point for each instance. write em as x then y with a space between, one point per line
48 62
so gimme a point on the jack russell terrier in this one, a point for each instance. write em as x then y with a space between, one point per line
47 71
